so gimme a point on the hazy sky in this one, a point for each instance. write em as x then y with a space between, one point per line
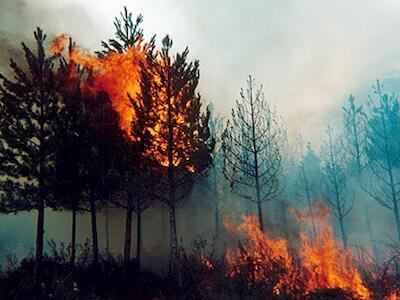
309 55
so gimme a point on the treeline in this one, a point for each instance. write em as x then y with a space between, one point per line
63 147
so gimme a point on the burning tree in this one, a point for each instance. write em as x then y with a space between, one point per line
30 107
134 181
335 182
180 143
252 143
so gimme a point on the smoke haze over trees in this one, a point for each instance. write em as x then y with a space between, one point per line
121 142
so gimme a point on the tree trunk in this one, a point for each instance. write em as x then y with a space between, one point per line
260 215
39 238
73 238
95 244
343 232
397 218
172 232
216 220
138 239
370 235
128 237
107 230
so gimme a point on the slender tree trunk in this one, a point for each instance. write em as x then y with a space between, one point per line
95 244
138 239
107 230
128 237
397 218
260 215
216 220
370 235
73 238
39 238
343 232
172 231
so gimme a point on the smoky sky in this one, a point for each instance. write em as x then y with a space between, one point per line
308 55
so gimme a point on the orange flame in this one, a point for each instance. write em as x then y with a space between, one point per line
323 262
326 262
115 73
118 74
59 44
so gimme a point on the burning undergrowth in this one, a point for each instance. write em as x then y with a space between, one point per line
317 266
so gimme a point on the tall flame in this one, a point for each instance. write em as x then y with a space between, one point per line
323 262
118 75
115 73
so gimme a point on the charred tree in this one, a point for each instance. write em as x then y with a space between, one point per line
252 143
30 108
337 193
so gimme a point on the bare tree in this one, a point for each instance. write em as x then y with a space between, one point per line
383 149
309 178
252 142
219 184
335 181
354 142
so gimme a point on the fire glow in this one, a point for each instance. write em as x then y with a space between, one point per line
320 263
118 75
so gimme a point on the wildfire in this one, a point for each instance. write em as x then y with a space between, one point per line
118 75
326 262
59 43
318 264
115 73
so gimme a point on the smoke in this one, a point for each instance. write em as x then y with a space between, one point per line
309 55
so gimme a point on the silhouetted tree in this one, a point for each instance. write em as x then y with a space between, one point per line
30 108
335 181
383 151
134 195
71 154
252 143
180 141
105 139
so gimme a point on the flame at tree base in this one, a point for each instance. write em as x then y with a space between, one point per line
318 264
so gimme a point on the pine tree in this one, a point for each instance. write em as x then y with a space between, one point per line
383 151
30 108
309 179
252 143
337 192
134 194
180 145
71 154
